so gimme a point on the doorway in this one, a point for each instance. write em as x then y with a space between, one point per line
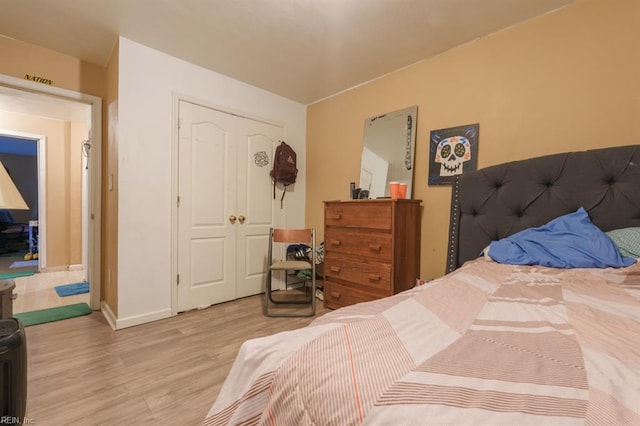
18 228
25 97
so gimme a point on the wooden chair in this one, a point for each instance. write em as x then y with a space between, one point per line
291 266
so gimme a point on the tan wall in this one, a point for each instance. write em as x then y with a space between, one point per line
63 163
110 193
568 80
20 58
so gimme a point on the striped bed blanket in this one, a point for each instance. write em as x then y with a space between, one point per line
487 344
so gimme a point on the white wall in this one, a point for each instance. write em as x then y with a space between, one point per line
148 80
373 170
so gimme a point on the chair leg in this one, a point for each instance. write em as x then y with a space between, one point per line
267 295
269 298
287 302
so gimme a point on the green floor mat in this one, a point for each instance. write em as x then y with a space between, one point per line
53 314
9 275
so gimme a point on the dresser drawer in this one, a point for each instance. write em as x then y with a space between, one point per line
359 243
358 214
336 295
364 274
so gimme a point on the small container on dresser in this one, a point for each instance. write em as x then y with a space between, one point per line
372 249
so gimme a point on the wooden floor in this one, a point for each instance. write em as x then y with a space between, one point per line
168 372
37 291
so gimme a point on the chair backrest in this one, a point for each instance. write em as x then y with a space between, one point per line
281 235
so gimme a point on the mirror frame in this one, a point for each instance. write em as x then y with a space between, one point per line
377 186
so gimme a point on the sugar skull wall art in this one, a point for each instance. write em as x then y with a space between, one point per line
452 152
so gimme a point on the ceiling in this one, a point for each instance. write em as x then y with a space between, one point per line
304 50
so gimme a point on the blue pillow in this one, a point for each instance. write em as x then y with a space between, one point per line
569 241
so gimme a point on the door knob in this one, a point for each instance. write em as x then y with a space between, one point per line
242 219
232 219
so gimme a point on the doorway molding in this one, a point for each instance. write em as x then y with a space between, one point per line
94 199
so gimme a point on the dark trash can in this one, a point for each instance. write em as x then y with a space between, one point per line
6 298
13 371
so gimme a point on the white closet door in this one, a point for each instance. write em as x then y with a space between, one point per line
226 205
256 145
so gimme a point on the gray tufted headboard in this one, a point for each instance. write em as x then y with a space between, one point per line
494 202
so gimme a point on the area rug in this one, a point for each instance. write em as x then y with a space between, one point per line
53 314
71 289
9 275
24 263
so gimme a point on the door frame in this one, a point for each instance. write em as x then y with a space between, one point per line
175 140
94 200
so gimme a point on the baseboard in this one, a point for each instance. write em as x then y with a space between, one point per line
62 268
118 324
108 315
55 269
142 319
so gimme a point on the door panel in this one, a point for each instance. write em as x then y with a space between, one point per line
208 145
256 255
206 187
202 251
257 140
259 192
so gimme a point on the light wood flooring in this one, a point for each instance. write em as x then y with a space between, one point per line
168 372
36 291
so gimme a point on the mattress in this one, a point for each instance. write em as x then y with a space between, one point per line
486 344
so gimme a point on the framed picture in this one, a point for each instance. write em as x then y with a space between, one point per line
452 152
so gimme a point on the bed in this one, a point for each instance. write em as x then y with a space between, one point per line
488 343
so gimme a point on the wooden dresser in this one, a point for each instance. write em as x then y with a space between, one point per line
371 249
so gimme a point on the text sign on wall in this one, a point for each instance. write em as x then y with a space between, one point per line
38 79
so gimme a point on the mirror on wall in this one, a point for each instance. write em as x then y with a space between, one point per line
388 152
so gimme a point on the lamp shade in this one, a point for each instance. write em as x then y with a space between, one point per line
10 198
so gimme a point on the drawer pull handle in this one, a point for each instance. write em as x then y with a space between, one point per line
335 269
336 216
375 247
335 243
375 277
335 295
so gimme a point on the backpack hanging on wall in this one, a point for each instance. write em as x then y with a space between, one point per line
284 168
